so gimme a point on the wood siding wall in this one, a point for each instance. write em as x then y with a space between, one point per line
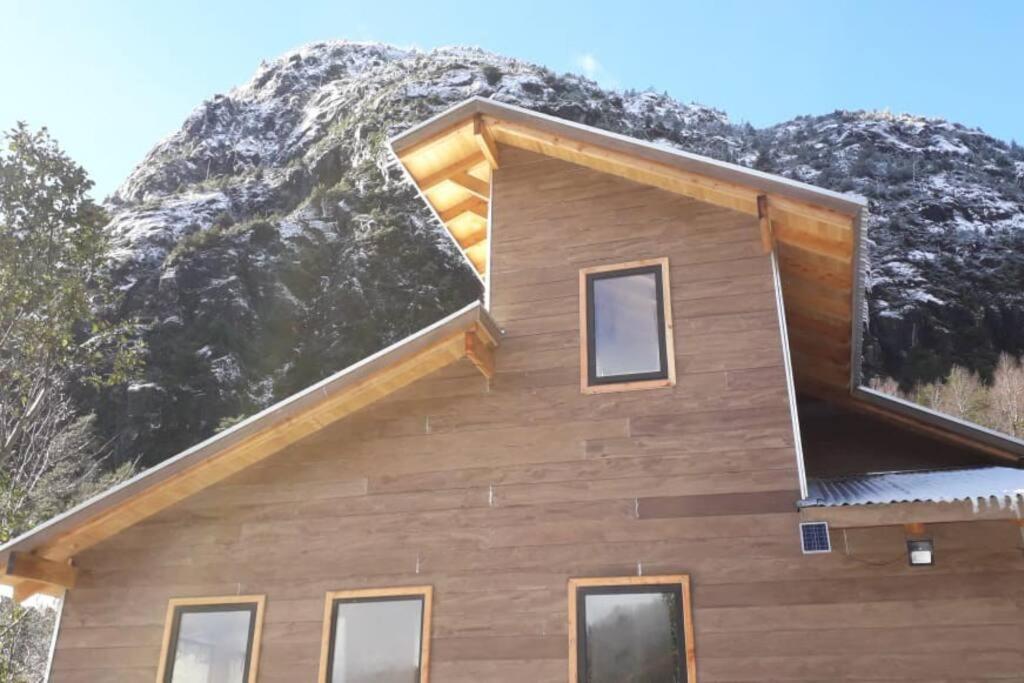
496 495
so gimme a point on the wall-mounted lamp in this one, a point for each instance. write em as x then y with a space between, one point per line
920 553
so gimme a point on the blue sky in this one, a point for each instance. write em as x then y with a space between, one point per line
112 78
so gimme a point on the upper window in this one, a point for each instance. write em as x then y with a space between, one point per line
631 629
212 640
377 636
626 327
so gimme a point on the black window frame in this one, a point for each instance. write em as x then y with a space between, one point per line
663 374
672 588
421 598
179 610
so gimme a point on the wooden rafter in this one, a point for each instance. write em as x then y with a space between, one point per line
448 172
474 238
473 205
485 140
805 241
33 568
473 185
480 353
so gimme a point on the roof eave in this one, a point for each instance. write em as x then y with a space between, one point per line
845 203
464 319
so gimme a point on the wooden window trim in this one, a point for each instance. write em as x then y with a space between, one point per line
426 593
171 623
682 580
668 331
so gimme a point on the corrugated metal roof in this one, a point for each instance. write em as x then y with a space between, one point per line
1002 486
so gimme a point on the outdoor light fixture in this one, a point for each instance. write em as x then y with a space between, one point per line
920 553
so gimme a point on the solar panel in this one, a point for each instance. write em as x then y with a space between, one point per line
814 537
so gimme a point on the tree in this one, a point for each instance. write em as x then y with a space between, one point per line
1008 396
54 337
962 394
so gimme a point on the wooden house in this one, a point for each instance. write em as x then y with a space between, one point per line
647 455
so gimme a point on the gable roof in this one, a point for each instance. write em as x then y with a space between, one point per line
814 234
467 333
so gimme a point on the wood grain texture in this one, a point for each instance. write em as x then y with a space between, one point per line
497 492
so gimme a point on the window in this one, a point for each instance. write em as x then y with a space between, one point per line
631 629
212 640
626 327
377 636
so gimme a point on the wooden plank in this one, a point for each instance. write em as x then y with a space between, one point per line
447 173
711 505
486 142
41 570
473 205
438 138
821 246
480 354
474 238
472 184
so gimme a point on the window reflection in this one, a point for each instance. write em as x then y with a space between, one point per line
634 638
626 328
212 646
377 641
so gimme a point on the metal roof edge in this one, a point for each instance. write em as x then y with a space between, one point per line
463 319
849 203
949 423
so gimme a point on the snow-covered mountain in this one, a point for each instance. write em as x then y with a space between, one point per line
272 240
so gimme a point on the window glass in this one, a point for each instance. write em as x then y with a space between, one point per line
212 646
633 636
627 327
376 641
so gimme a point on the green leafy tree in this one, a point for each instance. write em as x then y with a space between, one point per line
54 337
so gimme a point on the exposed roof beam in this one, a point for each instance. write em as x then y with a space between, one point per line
485 141
438 137
446 173
29 567
798 239
474 238
473 205
480 353
473 185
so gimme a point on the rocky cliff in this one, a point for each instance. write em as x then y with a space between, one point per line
272 240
